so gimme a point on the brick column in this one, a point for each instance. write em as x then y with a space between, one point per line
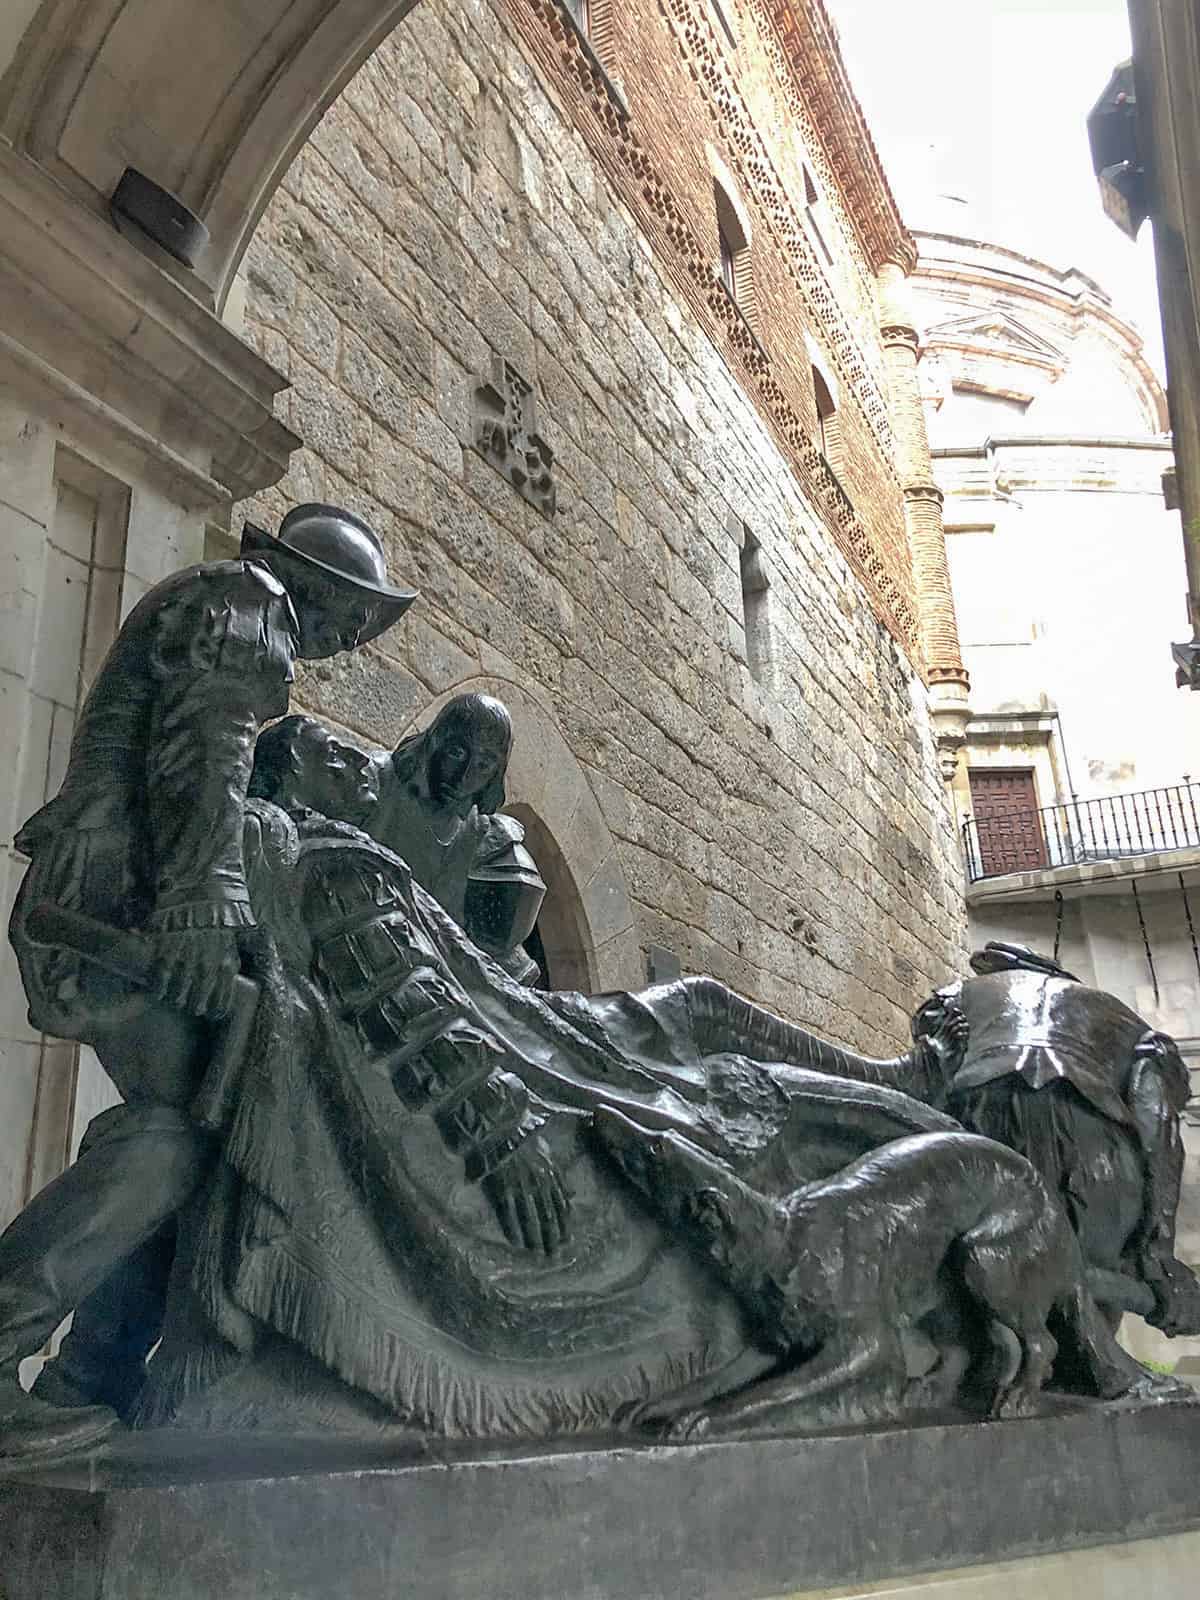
945 674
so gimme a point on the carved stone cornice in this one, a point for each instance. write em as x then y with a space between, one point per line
210 98
898 335
811 44
924 493
949 675
950 714
97 328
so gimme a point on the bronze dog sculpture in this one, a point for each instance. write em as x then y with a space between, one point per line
831 1274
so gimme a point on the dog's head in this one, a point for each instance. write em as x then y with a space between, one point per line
693 1192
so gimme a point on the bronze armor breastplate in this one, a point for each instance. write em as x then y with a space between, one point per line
1047 1030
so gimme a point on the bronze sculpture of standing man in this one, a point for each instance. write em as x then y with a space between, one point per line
146 834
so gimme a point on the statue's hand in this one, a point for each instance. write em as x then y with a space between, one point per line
196 968
530 1199
1161 1053
941 1029
1177 1293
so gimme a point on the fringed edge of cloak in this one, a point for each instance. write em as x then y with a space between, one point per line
419 1387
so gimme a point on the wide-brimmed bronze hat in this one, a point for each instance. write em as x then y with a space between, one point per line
341 548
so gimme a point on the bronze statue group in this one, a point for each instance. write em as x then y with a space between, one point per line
369 1176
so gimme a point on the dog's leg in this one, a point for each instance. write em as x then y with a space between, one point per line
1022 1396
857 1377
1094 1363
1013 1263
660 1412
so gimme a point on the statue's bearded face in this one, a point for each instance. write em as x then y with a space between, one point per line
334 778
470 754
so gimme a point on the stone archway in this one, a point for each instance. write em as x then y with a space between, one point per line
209 98
567 952
588 924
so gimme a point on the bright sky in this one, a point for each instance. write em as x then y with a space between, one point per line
987 99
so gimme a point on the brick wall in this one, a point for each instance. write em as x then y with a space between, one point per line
783 829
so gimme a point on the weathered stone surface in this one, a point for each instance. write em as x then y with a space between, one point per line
364 692
707 1522
737 801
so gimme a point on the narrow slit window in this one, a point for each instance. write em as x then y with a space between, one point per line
812 194
601 29
597 25
829 422
756 600
814 213
726 16
733 244
728 272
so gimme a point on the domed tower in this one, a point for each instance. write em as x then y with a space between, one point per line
1014 347
1048 430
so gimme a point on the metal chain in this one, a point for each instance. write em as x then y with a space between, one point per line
1191 925
1145 940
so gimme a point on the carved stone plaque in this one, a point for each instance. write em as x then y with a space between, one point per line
506 434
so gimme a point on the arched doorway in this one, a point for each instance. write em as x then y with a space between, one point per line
586 926
559 943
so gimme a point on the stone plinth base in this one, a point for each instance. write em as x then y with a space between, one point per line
169 1520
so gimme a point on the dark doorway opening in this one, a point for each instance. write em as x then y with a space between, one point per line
559 943
536 951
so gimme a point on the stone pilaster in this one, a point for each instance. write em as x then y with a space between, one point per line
949 684
130 415
1166 57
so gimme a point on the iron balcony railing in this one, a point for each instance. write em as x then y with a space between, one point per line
1106 829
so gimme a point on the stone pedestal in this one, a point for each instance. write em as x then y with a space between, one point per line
169 1520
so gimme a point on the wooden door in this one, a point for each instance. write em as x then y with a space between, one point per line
1008 828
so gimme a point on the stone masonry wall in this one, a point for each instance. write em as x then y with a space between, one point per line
688 96
784 829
